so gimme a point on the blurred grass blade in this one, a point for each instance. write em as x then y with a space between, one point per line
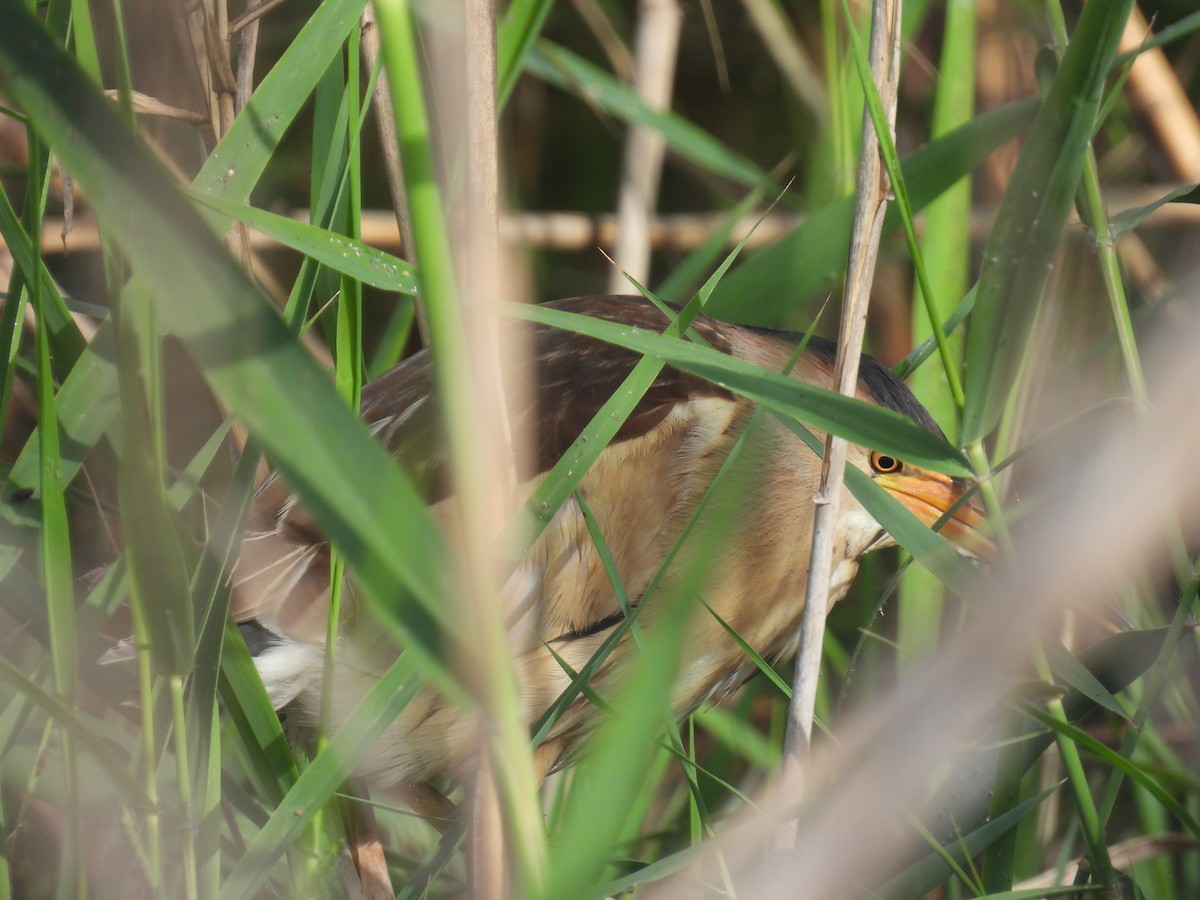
1116 662
1132 770
88 398
84 734
157 570
245 351
924 876
1021 251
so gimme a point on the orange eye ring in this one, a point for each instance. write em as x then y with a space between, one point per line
882 464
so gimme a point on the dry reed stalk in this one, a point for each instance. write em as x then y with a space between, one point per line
1160 99
872 196
656 50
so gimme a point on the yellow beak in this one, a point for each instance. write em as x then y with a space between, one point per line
930 495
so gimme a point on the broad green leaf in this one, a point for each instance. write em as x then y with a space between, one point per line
731 730
157 569
1073 673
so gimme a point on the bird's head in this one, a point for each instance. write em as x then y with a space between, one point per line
944 503
931 497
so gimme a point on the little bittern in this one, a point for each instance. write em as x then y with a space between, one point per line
642 491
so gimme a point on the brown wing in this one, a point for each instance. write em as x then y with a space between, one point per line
283 573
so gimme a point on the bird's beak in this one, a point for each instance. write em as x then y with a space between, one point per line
929 495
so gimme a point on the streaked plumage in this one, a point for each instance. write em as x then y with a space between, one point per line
643 489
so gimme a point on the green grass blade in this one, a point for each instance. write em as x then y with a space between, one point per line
255 724
65 339
516 37
946 250
57 570
564 69
336 251
856 420
237 162
377 710
924 876
1020 252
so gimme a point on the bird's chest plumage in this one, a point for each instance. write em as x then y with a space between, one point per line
748 550
747 546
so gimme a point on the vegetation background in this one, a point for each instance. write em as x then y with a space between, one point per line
1065 682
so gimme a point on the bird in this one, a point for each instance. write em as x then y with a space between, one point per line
642 491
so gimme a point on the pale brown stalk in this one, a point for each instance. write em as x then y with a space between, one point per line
872 195
656 50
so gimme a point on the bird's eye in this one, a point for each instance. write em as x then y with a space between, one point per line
883 464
